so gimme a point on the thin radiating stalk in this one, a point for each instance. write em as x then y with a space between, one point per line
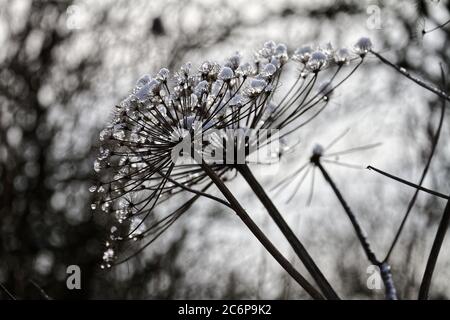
260 235
409 183
298 247
405 73
385 269
434 253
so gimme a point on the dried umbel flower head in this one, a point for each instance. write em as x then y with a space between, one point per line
171 123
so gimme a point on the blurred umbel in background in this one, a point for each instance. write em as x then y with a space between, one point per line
63 67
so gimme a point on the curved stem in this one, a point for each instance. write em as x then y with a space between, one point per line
358 229
298 247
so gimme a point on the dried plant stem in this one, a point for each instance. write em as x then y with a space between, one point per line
442 25
260 235
298 247
405 73
434 253
359 231
385 270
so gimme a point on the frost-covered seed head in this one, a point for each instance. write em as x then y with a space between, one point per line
256 87
201 88
269 70
143 80
245 70
234 61
226 74
146 91
281 53
318 150
268 50
210 70
272 53
163 74
108 255
302 54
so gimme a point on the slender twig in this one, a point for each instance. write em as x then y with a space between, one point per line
9 294
298 247
385 270
432 259
260 235
405 73
409 183
422 178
